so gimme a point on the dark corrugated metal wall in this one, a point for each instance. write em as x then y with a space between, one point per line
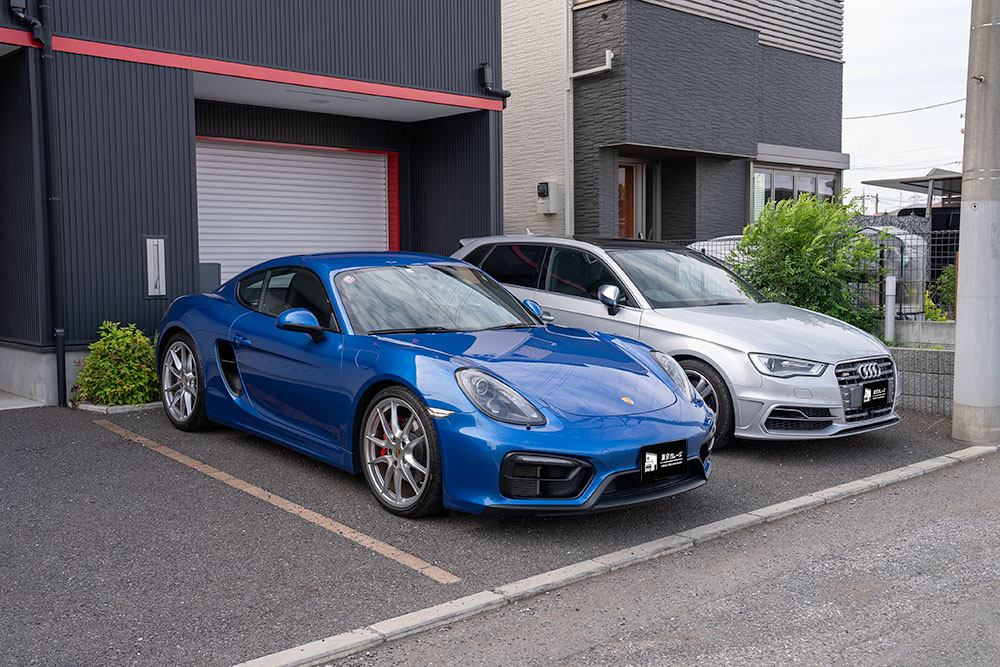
432 44
22 314
455 180
127 170
126 136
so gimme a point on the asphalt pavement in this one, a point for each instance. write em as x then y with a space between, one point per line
906 575
111 553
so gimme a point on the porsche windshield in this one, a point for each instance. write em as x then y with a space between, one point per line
678 279
427 299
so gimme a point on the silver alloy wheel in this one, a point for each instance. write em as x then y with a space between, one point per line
180 381
396 453
704 388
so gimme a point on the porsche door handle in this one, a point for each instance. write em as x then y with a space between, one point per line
241 341
547 317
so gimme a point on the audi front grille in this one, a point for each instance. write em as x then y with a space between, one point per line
853 375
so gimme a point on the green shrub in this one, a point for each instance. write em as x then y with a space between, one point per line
120 369
931 311
943 289
808 254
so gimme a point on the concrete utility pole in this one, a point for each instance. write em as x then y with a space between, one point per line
976 414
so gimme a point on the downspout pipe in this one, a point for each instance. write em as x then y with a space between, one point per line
486 81
41 29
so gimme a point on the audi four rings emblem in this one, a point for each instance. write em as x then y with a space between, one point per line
869 371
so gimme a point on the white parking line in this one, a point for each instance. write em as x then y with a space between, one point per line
409 560
348 643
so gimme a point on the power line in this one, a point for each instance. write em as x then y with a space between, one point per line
904 166
909 150
914 163
896 113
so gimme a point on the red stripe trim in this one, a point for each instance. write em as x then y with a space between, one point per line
212 66
17 37
391 175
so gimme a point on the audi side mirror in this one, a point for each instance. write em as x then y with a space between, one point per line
609 295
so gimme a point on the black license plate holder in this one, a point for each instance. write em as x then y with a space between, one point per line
875 395
662 460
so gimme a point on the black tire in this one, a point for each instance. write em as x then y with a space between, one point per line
416 445
182 384
718 398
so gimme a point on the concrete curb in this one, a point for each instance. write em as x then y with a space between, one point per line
115 409
348 643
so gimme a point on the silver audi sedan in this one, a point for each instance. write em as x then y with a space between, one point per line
769 370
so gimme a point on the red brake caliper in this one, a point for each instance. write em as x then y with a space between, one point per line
385 436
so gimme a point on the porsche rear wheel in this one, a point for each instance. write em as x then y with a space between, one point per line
182 384
400 454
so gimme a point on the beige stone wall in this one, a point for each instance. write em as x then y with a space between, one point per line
534 56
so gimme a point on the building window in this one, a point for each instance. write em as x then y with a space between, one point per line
778 183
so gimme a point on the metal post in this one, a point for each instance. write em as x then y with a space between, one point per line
976 408
890 308
930 199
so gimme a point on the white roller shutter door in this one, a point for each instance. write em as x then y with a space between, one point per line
256 202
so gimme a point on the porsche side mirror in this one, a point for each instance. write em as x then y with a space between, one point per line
301 320
609 295
533 307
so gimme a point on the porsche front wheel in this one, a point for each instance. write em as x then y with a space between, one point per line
400 454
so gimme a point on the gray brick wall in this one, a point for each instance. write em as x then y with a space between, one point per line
801 101
689 82
722 197
599 112
679 195
928 379
692 82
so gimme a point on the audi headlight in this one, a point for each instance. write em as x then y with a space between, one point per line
495 399
785 367
675 373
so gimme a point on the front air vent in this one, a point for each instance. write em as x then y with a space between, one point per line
227 365
791 418
524 475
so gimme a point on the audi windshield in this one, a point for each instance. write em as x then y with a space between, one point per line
679 279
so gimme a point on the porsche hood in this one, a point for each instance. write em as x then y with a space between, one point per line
568 370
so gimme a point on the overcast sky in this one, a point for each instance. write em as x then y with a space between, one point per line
903 54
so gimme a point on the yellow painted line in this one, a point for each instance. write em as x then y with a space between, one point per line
379 547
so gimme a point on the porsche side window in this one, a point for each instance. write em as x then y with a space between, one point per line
249 289
515 264
306 291
576 273
274 299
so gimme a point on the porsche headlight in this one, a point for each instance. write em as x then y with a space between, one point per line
496 400
785 367
675 373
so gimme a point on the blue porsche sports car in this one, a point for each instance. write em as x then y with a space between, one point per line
431 379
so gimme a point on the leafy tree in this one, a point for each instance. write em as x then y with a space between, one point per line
808 253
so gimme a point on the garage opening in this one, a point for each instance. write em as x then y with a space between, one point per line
259 200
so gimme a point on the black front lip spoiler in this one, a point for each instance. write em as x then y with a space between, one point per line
637 496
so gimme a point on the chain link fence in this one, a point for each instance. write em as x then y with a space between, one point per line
924 263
